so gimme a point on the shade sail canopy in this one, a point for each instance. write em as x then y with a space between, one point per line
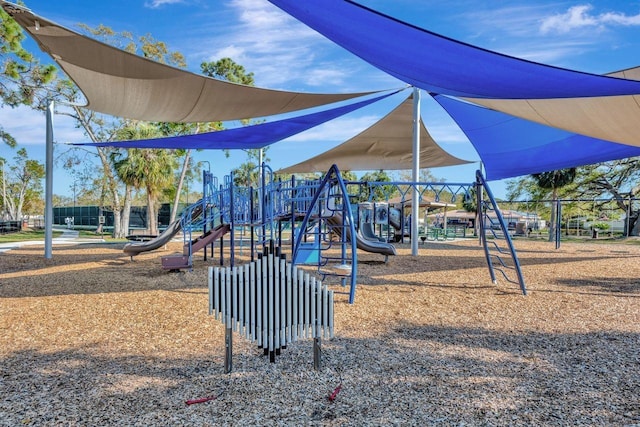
599 106
443 65
247 137
121 84
613 118
510 146
388 145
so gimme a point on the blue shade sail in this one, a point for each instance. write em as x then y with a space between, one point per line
247 137
443 65
509 146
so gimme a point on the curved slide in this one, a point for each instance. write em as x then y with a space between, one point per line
163 238
362 243
366 228
395 222
394 218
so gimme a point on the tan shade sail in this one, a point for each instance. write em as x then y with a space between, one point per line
388 145
612 118
121 84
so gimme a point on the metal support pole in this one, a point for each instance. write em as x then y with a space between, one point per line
628 227
415 204
48 196
4 191
261 193
317 353
228 350
205 204
558 208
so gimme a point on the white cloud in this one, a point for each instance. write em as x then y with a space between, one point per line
538 33
231 51
279 50
515 31
158 3
581 16
621 19
328 73
513 21
28 127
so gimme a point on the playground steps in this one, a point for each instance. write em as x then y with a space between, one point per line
176 262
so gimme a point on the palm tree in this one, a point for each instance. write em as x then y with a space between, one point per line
246 175
148 168
554 180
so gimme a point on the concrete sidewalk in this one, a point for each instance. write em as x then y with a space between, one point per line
68 237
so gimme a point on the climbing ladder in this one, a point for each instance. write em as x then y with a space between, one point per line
331 210
498 248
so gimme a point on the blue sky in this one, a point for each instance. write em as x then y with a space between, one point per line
597 37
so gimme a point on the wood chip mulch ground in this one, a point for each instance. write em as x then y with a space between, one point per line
89 338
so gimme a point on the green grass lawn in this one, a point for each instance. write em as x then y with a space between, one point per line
30 234
25 235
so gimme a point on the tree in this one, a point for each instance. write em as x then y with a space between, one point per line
23 186
22 76
541 186
103 128
24 81
425 175
187 169
616 181
554 180
41 86
148 168
469 201
227 69
377 192
248 173
150 48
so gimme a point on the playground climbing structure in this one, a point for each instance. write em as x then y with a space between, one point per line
320 221
496 241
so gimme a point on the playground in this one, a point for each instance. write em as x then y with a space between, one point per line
91 338
122 334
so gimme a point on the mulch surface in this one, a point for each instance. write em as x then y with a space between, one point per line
90 338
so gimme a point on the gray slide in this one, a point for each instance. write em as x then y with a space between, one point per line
163 238
394 218
366 228
133 249
362 243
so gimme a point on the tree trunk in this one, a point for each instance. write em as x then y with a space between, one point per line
23 191
634 224
108 173
152 216
126 210
11 208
